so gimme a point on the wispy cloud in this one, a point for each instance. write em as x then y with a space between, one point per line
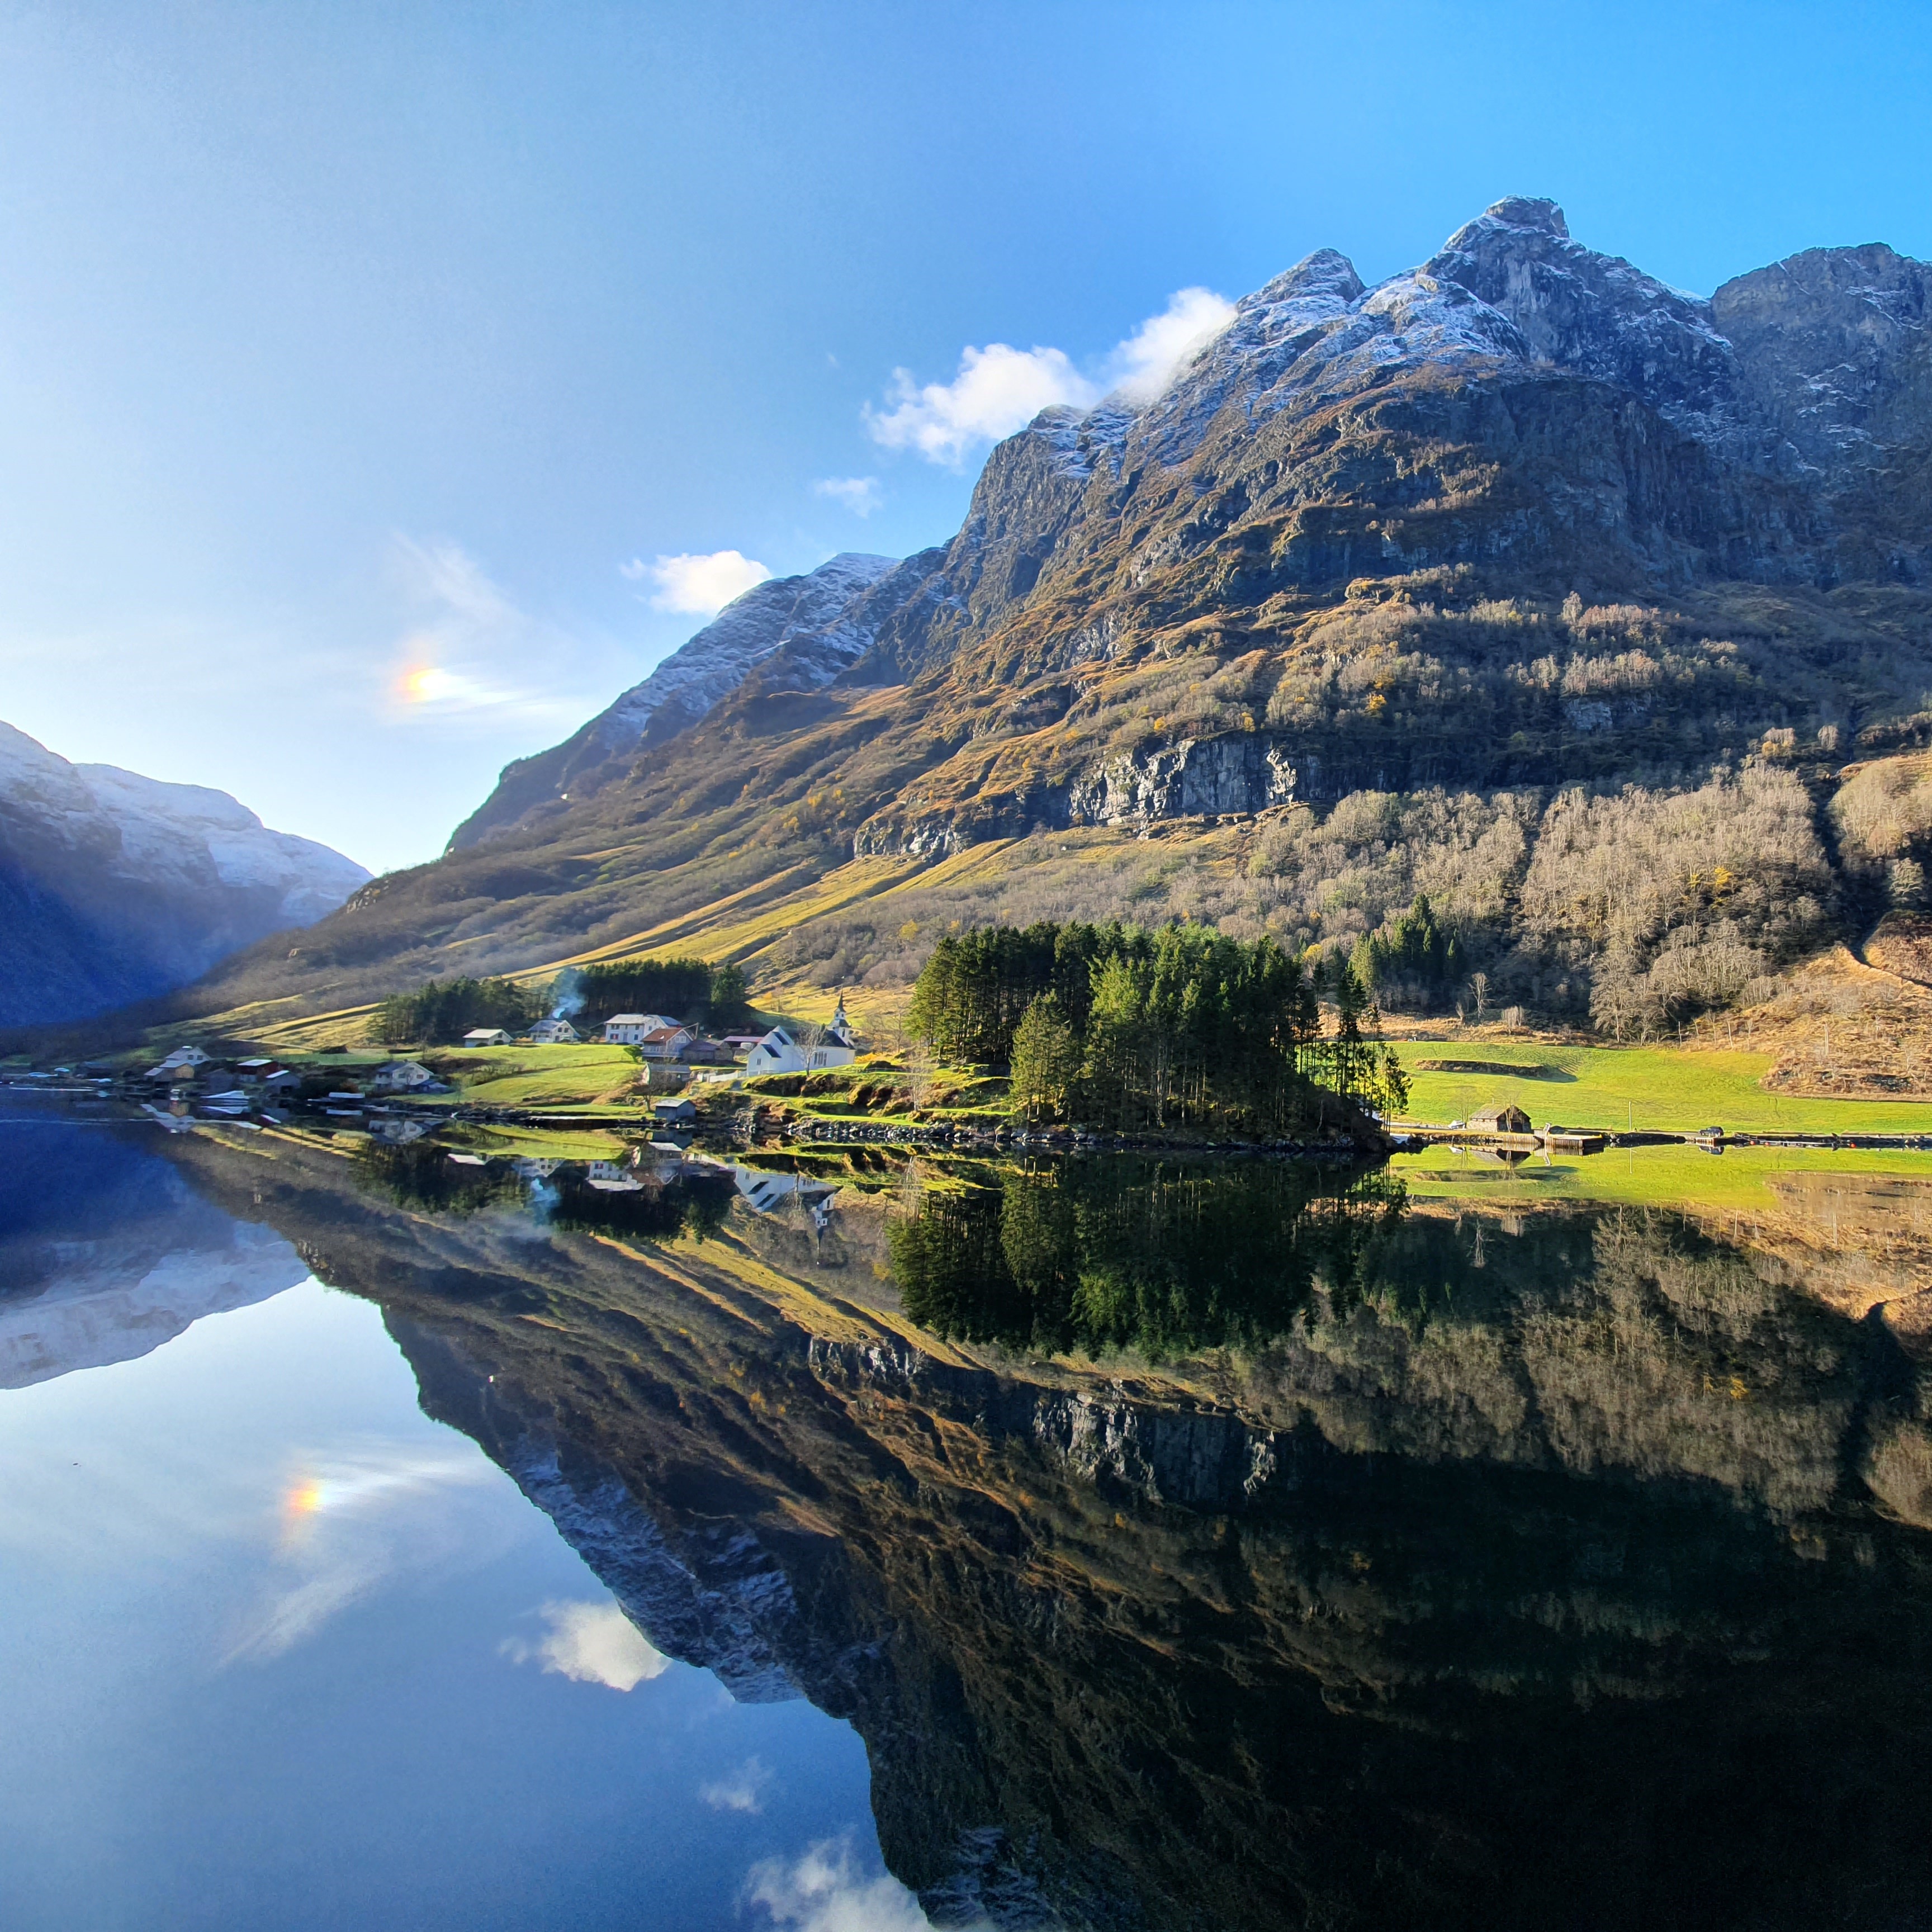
352 1523
824 1892
468 650
739 1790
861 495
999 388
700 585
591 1643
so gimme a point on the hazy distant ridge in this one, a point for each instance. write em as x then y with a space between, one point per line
115 887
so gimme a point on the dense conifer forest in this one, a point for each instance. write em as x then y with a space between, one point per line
1116 1027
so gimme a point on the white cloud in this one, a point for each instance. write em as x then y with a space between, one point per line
1000 389
1143 365
861 495
823 1893
700 585
739 1790
591 1643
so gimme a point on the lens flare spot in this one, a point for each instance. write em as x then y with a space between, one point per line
306 1498
426 684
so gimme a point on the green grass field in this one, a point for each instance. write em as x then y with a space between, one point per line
585 1143
539 1076
1651 1176
1659 1090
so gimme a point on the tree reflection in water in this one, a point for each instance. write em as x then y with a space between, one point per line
1161 1256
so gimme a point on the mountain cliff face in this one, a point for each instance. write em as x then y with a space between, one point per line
115 887
1519 521
823 621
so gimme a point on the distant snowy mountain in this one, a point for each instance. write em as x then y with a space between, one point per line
822 617
115 887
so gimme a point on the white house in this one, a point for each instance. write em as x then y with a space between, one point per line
667 1043
400 1076
778 1052
630 1029
486 1037
554 1032
182 1056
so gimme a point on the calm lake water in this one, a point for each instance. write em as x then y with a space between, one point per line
391 1541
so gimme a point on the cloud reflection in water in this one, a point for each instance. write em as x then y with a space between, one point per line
353 1523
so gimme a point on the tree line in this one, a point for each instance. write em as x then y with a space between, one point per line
1164 1258
441 1012
1116 1027
689 990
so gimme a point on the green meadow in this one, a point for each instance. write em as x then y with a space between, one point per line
541 1076
1651 1177
1653 1089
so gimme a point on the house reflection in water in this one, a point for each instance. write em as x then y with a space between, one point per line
773 1193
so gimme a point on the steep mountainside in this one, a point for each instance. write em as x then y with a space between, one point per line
823 620
1393 589
115 887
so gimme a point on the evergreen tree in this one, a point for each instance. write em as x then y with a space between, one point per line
1046 1060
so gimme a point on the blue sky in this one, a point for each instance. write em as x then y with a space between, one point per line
339 344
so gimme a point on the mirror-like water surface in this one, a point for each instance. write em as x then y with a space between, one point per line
1122 1543
278 1650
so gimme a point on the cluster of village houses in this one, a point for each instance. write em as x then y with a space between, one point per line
188 1077
658 1037
663 1161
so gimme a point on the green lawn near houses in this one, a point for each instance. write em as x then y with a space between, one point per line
1656 1089
539 1076
1651 1177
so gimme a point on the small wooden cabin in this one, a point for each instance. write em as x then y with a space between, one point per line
1505 1118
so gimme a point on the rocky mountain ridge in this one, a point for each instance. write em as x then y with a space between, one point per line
1521 519
822 621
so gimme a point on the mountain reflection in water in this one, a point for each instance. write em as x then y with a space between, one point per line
1388 1569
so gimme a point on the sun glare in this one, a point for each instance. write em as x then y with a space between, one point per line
425 683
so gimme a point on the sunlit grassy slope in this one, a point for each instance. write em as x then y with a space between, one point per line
1662 1090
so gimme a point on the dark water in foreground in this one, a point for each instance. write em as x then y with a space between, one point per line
754 1548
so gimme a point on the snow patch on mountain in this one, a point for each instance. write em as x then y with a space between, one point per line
713 663
161 835
115 887
112 1300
